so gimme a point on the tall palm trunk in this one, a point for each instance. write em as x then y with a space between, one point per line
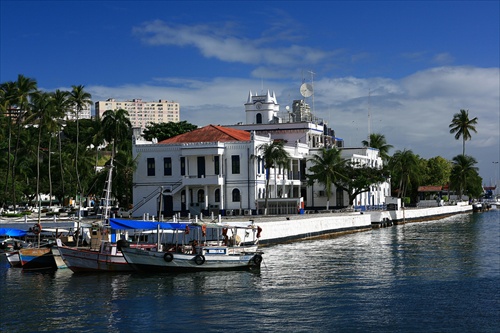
9 152
14 162
61 164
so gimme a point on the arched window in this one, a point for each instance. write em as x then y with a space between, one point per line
217 195
201 196
236 195
258 118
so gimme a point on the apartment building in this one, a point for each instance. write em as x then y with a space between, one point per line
142 113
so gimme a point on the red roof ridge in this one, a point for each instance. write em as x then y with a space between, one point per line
209 133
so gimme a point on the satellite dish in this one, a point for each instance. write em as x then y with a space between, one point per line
306 89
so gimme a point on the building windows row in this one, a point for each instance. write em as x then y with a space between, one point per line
167 165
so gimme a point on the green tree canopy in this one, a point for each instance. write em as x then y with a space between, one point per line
463 172
405 171
162 131
358 178
326 169
437 171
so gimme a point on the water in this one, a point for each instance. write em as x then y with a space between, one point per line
439 276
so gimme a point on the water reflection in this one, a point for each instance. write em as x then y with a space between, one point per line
386 279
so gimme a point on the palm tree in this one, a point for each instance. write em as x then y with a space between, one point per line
62 105
461 125
8 91
41 104
326 170
378 141
404 165
25 88
274 155
116 127
463 168
79 99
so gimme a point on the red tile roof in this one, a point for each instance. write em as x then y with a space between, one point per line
210 133
429 188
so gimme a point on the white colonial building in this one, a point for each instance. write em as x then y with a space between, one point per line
220 170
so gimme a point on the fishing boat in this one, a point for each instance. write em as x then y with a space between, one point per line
104 252
223 249
10 246
42 257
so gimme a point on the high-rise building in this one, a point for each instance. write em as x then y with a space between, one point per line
142 113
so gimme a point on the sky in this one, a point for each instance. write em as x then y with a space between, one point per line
398 68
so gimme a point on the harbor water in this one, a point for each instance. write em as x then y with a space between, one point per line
436 276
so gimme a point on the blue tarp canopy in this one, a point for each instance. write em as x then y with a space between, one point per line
120 224
12 232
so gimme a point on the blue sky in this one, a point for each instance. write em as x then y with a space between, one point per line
409 64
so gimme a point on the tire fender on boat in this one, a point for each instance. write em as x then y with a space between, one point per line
199 259
168 257
37 228
257 259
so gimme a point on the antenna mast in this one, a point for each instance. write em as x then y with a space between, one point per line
369 118
312 85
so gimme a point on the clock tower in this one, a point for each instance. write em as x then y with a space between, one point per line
262 109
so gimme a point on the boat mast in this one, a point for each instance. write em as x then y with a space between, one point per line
108 192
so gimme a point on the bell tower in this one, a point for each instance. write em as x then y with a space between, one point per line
262 109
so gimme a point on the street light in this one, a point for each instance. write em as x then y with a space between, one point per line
496 175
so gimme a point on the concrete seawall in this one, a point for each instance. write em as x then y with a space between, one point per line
285 229
281 229
402 216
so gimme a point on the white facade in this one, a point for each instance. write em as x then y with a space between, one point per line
228 177
142 113
208 177
84 113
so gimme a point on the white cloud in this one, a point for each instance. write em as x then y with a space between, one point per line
223 43
413 112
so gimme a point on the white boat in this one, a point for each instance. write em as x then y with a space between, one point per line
223 253
13 258
208 258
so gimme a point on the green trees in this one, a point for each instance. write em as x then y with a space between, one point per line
358 178
33 123
24 90
327 168
61 105
274 155
461 125
116 127
404 166
437 171
462 173
79 99
162 131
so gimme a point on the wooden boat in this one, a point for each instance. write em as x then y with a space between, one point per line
108 258
41 258
223 253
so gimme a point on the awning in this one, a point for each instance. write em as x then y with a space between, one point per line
121 224
12 232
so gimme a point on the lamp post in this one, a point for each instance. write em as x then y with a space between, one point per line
496 175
